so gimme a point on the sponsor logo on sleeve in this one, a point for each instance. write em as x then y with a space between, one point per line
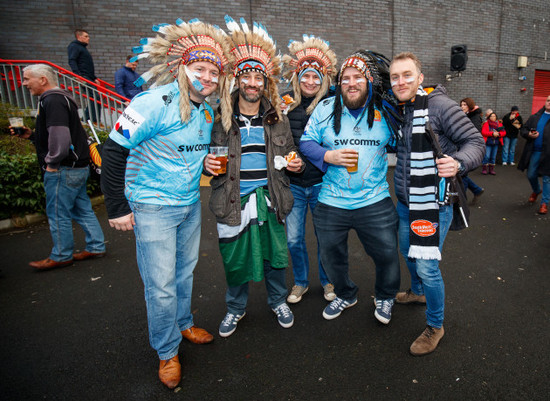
424 228
129 122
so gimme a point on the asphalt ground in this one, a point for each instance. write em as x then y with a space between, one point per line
80 332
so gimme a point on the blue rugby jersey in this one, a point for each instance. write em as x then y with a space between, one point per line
253 159
342 189
166 156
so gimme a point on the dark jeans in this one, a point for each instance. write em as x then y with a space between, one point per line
376 226
471 185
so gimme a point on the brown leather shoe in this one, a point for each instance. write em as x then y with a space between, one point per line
427 341
534 197
197 336
543 208
47 263
170 372
87 255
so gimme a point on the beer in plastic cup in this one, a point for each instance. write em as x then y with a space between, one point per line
220 153
17 125
353 169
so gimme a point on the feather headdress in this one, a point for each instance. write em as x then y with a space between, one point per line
375 67
179 45
311 54
255 50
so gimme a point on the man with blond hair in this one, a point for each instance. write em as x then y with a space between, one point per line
424 214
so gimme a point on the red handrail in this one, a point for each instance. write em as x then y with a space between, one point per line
70 73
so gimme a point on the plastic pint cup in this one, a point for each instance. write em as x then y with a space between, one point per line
220 153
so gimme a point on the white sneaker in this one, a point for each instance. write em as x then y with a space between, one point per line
512 164
504 164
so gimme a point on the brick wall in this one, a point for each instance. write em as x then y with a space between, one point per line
495 31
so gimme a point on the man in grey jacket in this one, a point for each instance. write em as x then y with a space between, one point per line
424 214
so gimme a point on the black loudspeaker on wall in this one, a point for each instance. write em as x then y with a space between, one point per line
459 57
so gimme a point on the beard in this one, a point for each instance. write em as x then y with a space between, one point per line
250 97
355 103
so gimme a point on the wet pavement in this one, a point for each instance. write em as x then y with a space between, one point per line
80 332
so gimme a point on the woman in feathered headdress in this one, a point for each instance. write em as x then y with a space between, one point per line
310 68
312 55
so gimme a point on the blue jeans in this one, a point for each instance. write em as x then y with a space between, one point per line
533 177
425 274
167 248
67 200
236 297
376 227
509 149
296 234
490 154
470 184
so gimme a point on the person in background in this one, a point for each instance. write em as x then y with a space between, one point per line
493 132
82 64
473 112
310 67
536 155
512 123
125 78
64 156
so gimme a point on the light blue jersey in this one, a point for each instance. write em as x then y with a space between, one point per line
166 156
366 186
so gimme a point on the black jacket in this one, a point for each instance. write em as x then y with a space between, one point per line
80 60
298 119
544 163
56 108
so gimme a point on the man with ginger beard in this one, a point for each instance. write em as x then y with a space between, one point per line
353 129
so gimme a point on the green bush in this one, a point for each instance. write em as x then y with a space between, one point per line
21 187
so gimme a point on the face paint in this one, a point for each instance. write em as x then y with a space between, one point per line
345 81
315 81
244 81
361 80
194 81
215 80
408 80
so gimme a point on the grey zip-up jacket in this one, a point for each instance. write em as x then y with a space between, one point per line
225 200
459 138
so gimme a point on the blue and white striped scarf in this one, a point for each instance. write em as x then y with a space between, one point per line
425 185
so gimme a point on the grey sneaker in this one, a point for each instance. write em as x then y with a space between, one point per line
284 315
229 324
329 292
383 309
296 294
409 297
